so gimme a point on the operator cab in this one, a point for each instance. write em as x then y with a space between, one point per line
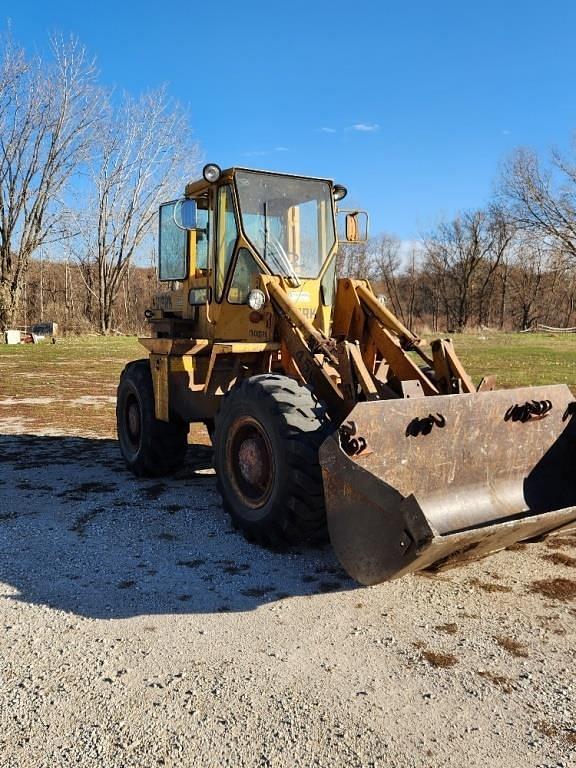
235 225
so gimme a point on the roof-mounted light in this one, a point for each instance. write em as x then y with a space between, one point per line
339 192
211 172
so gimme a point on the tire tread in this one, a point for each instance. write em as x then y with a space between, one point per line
304 425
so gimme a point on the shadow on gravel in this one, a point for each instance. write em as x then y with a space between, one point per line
79 533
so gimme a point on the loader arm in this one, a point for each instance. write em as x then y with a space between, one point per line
311 352
367 358
360 316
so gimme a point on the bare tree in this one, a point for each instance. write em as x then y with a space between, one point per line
387 262
462 256
410 283
528 267
48 111
542 200
500 232
146 155
355 260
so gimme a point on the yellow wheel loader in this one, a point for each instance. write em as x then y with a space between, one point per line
326 414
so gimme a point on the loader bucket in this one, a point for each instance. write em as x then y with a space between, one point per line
437 481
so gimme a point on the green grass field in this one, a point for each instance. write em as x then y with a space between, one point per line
66 387
70 386
519 359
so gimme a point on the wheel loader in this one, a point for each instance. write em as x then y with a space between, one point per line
327 415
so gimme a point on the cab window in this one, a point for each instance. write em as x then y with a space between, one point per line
245 277
172 242
227 234
202 238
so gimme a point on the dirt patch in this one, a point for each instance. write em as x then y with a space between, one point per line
173 508
487 586
554 731
512 646
126 584
234 570
81 491
502 682
256 591
81 522
449 629
560 558
166 536
441 660
556 589
331 570
559 542
191 563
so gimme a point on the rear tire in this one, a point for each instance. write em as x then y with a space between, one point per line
268 432
150 447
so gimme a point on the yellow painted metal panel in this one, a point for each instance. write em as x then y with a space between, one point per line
159 366
185 364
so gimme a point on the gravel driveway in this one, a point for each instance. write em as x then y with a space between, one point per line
137 628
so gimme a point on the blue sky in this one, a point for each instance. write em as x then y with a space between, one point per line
411 105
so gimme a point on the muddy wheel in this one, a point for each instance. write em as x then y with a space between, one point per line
150 447
266 442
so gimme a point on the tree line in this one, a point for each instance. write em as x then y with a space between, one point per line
508 265
83 170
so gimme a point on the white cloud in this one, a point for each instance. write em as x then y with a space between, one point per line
280 149
327 130
365 127
505 132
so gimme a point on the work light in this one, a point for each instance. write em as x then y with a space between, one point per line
211 172
256 299
339 192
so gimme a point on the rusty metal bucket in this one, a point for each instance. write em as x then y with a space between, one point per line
434 482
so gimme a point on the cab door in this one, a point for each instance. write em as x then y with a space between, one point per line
236 273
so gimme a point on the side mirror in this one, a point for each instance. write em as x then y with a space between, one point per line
356 224
185 214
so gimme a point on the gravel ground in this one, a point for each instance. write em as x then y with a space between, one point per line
138 629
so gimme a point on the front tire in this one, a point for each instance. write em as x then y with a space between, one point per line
266 442
150 447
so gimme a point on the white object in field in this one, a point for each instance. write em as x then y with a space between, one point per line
12 337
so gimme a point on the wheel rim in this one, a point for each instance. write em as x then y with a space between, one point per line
251 462
133 422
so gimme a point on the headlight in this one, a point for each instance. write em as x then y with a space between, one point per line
211 172
339 192
256 299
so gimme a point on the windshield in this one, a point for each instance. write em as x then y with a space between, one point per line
288 220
